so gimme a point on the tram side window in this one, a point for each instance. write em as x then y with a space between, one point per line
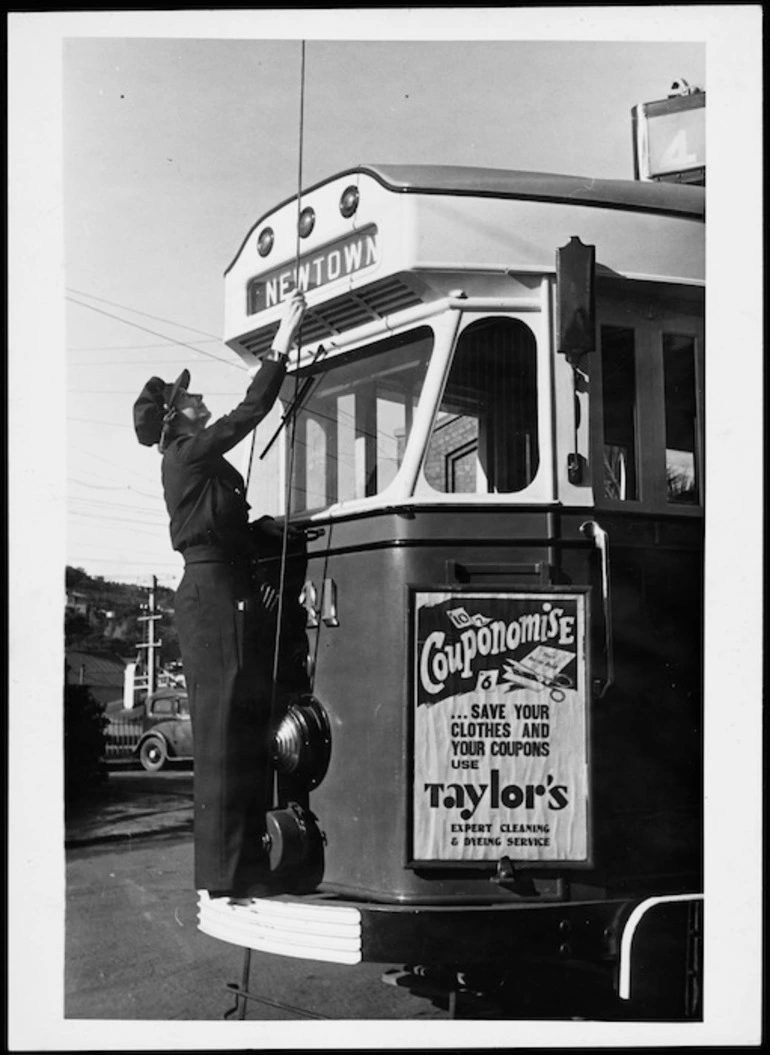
355 420
484 439
681 423
619 410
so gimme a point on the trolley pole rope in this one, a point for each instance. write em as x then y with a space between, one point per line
296 250
292 434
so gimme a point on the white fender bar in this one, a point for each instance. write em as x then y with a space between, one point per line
627 938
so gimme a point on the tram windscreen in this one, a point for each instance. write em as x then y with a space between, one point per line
355 418
484 439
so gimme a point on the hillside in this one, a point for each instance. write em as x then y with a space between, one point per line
104 616
109 594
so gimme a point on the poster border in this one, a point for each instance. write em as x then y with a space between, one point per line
552 589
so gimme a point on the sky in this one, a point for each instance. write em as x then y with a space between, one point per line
173 148
142 148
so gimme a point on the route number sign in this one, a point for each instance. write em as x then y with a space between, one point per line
670 139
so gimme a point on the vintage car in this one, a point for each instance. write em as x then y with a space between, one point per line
166 730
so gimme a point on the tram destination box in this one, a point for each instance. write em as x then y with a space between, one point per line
670 139
499 726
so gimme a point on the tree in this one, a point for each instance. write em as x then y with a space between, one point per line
169 649
84 743
111 623
74 577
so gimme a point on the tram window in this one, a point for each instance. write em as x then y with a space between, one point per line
355 420
619 408
484 439
679 381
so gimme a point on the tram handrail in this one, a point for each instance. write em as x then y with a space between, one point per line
600 539
629 931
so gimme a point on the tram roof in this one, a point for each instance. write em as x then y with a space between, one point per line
666 199
673 198
474 181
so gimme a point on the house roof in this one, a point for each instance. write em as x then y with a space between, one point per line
98 669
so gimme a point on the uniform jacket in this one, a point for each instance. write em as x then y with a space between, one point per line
205 495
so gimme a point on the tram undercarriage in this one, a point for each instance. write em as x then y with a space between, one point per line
600 958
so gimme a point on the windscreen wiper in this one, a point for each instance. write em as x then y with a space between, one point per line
299 396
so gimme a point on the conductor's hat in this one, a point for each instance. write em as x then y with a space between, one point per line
155 405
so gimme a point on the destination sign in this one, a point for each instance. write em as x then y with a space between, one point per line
337 260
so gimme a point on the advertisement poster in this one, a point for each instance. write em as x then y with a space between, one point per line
500 695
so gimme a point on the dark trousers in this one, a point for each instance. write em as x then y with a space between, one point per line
229 692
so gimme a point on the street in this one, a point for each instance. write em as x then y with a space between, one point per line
132 947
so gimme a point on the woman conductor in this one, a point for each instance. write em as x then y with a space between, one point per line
227 683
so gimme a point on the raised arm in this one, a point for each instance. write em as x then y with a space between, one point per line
260 396
233 427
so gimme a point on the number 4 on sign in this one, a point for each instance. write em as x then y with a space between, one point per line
486 680
676 155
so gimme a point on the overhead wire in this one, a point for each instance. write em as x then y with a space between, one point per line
101 509
111 364
146 329
93 508
100 515
132 347
107 424
107 461
92 503
143 563
145 314
135 530
128 322
110 487
149 553
129 391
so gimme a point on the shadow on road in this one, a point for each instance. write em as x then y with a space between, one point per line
132 803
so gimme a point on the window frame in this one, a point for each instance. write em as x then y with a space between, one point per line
650 317
532 491
371 460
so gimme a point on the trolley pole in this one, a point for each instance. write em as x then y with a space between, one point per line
151 644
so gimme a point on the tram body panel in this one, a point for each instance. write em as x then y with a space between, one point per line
628 243
647 727
362 673
644 742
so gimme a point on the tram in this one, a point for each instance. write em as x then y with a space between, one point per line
488 740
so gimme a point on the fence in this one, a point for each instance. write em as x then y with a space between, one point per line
122 736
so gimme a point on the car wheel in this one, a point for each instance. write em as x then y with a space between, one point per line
153 754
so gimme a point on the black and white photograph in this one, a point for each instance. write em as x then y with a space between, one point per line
385 517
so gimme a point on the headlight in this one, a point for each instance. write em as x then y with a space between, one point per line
265 241
302 743
306 222
349 201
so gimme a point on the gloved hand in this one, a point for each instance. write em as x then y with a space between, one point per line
294 309
267 527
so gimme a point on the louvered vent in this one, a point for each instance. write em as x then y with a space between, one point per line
342 314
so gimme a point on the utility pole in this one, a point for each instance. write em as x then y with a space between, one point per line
151 644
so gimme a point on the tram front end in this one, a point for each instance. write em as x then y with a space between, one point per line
491 445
